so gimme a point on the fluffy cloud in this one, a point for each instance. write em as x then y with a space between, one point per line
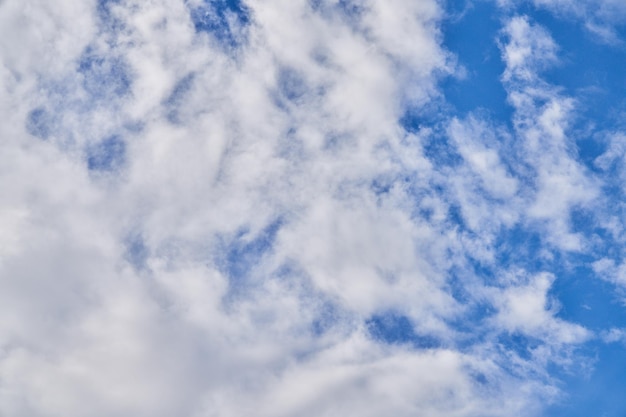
206 205
525 308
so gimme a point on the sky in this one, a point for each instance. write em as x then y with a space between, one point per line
282 208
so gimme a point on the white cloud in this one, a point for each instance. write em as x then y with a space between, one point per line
529 49
614 335
608 270
526 308
295 128
542 118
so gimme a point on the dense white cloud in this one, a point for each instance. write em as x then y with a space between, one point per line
526 308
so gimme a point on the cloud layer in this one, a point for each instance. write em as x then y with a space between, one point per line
229 208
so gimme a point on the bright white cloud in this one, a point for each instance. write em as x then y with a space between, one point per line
526 308
527 50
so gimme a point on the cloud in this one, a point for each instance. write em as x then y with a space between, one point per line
529 49
526 309
207 206
601 18
542 117
614 335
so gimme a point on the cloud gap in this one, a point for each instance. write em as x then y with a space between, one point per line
225 20
137 252
240 255
176 99
40 123
291 84
396 329
108 155
104 77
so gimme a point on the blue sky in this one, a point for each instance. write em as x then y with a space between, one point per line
312 207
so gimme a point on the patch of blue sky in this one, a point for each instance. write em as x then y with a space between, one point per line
104 77
595 390
612 176
421 211
177 98
291 84
601 242
585 299
455 217
291 89
240 256
472 325
432 115
101 81
110 22
381 186
590 147
137 252
520 245
588 300
107 20
523 346
472 328
222 19
471 33
440 150
394 328
40 123
107 155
